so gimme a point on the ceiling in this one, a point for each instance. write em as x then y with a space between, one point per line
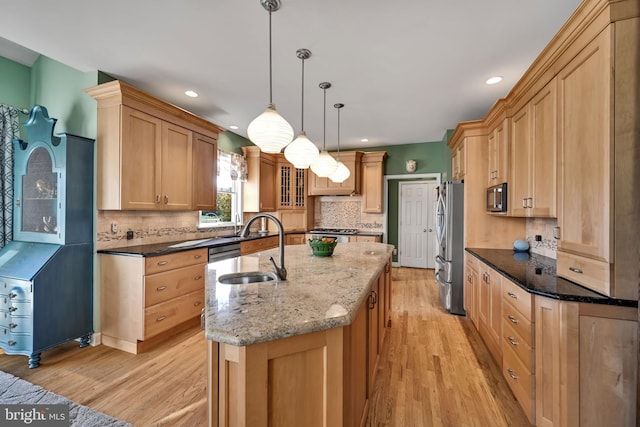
406 71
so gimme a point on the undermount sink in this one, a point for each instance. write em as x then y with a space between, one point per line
247 277
189 243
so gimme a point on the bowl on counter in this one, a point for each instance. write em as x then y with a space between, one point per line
323 247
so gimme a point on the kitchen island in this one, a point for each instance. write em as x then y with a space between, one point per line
301 351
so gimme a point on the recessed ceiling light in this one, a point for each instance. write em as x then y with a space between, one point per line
364 140
233 127
494 80
191 93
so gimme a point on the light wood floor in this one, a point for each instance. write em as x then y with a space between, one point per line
435 371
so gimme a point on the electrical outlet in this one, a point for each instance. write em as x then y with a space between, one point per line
538 238
114 227
129 235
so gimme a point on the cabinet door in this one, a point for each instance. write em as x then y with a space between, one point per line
471 296
518 189
177 167
544 167
498 154
585 187
267 194
141 159
373 335
372 187
205 153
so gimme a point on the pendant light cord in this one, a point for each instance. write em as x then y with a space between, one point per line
302 109
324 136
270 65
338 134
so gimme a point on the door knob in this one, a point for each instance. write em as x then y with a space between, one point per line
430 230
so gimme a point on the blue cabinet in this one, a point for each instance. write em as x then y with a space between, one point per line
46 272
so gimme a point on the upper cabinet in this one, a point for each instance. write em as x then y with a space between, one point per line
259 192
145 151
498 144
325 187
372 181
205 154
458 161
532 180
292 193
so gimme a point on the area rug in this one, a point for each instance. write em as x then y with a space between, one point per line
14 390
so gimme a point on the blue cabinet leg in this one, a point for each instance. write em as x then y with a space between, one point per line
84 341
34 360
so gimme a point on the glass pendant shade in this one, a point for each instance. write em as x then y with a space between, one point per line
341 174
301 153
325 165
270 131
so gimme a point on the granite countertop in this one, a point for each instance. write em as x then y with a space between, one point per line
156 249
319 293
537 274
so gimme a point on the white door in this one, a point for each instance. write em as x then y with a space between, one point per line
416 234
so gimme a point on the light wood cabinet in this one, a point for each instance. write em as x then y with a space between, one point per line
518 358
295 239
372 181
295 207
325 187
532 181
471 287
458 162
205 153
586 364
145 299
257 245
498 143
490 310
259 192
145 151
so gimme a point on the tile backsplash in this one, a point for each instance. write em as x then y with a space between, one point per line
345 212
543 227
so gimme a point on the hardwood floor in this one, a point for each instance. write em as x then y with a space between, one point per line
435 371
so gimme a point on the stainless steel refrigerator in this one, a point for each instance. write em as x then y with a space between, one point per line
450 236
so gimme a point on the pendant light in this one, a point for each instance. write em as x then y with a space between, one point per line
270 131
326 164
342 172
301 152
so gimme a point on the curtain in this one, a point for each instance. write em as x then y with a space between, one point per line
9 129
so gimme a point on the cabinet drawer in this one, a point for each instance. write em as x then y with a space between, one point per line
518 322
517 344
166 315
519 298
520 380
257 245
170 284
588 272
471 261
162 263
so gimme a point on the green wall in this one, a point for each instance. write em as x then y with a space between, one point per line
15 87
231 142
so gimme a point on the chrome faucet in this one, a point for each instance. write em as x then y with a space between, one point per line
236 224
280 271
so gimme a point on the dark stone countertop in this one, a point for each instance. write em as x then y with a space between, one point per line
156 249
537 275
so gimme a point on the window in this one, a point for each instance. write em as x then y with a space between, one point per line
231 173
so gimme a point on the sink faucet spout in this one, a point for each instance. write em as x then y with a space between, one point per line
281 271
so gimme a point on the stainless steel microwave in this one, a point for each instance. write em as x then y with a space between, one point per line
497 198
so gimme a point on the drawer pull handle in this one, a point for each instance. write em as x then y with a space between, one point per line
512 374
163 263
576 270
161 318
512 340
12 309
161 288
157 199
12 343
513 319
197 277
197 256
197 303
512 295
12 325
12 295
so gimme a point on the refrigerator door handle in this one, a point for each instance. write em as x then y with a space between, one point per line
446 266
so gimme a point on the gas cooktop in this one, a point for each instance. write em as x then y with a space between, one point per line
334 231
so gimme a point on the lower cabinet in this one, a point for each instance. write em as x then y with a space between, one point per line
490 310
257 245
586 364
471 287
319 379
295 239
144 299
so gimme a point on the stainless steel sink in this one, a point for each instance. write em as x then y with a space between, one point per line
190 243
247 277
